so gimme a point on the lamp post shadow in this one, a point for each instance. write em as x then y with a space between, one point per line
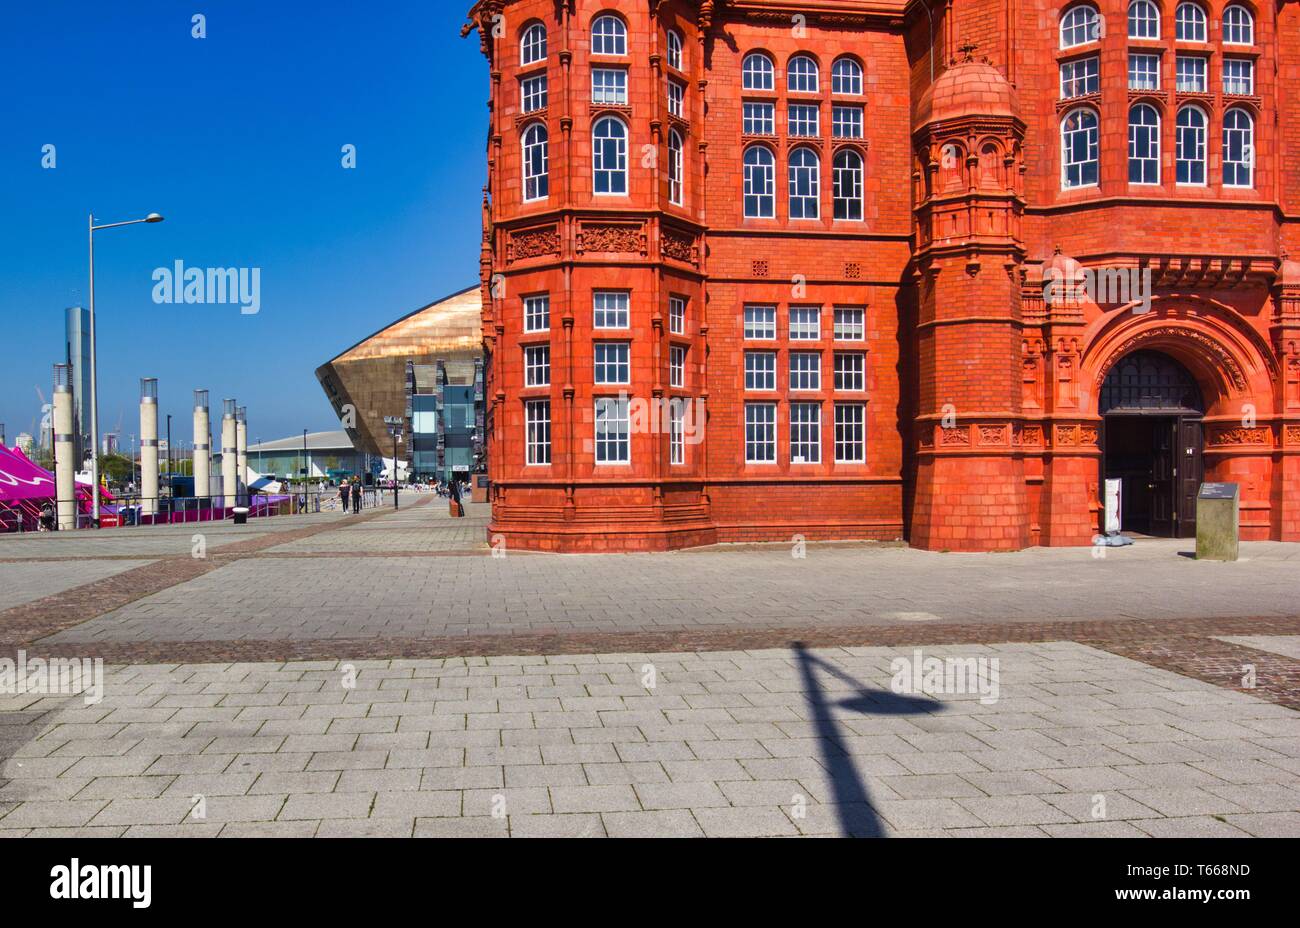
852 802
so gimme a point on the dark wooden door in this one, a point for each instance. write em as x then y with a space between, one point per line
1191 470
1164 477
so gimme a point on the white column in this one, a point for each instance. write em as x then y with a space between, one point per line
241 451
65 468
149 446
202 436
229 455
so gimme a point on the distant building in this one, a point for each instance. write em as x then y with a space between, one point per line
427 369
110 444
77 355
24 443
323 455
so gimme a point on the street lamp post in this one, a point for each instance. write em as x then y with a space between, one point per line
94 381
395 429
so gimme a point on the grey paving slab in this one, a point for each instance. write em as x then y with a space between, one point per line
850 757
387 595
22 583
1286 645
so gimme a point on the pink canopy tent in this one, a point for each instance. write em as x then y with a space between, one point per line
26 486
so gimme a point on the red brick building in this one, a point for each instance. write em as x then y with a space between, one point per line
923 269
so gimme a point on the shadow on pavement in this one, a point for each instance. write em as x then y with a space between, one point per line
852 802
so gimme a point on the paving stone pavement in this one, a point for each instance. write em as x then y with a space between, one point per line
1286 645
22 583
1078 742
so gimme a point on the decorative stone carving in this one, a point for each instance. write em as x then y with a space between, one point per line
1241 436
956 436
619 237
993 434
1221 357
534 243
680 246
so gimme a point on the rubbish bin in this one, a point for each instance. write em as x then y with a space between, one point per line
241 515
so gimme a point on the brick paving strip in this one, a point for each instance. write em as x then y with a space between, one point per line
1184 646
22 625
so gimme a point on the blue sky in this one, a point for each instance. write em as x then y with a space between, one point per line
237 140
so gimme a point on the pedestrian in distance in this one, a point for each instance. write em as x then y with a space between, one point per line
343 494
356 496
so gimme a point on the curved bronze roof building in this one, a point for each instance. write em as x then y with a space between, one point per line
371 376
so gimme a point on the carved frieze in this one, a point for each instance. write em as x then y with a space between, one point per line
533 243
1241 435
680 246
617 237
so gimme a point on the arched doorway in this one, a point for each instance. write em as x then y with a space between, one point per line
1151 442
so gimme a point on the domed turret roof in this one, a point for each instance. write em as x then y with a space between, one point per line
967 88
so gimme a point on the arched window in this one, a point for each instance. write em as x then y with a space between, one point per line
609 156
805 184
1080 26
1143 145
760 183
1189 23
846 77
1189 156
1143 20
1238 149
757 71
846 184
675 167
674 49
536 163
608 36
801 75
532 46
1238 26
1079 149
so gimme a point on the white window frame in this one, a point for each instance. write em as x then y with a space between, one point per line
611 309
1137 76
676 98
805 323
1195 136
805 371
533 93
537 365
1190 23
537 433
849 324
1069 144
759 183
847 121
804 171
676 431
677 315
760 371
1188 78
609 36
758 72
1238 26
760 322
1246 79
850 372
848 184
846 77
676 168
760 433
536 162
1144 136
674 46
803 120
609 86
612 431
1236 135
850 433
1080 77
805 433
537 313
603 147
532 45
677 366
802 74
758 117
1080 25
1143 20
611 360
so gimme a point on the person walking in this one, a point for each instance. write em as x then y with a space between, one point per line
343 495
356 496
